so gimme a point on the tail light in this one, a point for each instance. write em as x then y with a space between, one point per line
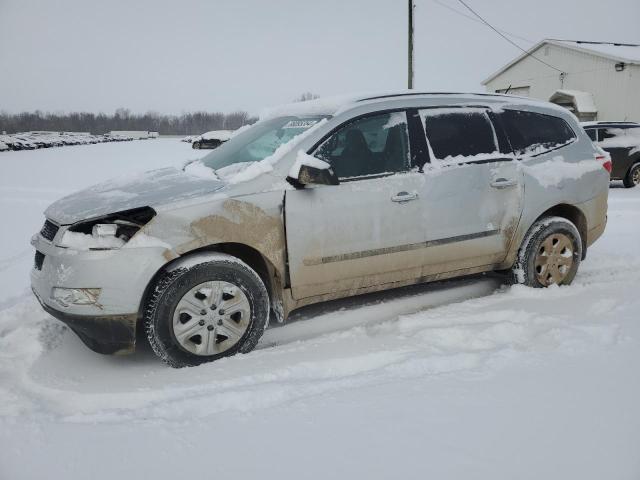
605 160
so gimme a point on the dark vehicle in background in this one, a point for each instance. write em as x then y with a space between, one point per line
211 140
622 141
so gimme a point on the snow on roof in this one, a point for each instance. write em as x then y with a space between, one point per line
337 104
583 101
627 53
622 53
319 106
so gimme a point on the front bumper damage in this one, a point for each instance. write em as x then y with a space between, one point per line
113 284
107 334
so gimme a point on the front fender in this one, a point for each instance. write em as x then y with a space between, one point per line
254 220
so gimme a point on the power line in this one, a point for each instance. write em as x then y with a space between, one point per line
474 19
507 39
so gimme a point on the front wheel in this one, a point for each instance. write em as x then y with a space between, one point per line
633 177
196 145
205 311
550 254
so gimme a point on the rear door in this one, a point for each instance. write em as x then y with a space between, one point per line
472 195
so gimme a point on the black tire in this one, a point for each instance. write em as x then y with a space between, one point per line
525 271
196 145
633 176
173 285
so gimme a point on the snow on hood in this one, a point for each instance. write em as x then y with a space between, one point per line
153 188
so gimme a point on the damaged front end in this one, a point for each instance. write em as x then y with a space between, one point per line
106 334
91 275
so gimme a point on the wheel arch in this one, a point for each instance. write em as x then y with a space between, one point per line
249 255
575 216
563 210
634 161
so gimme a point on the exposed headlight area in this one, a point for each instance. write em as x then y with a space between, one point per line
108 232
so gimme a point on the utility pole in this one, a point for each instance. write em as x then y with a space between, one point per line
410 44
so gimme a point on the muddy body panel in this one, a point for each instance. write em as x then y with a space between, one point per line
354 236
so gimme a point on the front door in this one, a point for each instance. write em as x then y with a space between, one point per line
367 230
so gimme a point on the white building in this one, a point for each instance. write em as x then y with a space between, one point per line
595 81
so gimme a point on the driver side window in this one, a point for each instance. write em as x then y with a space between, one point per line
368 146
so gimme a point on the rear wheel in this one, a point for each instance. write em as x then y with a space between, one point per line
206 311
633 177
550 254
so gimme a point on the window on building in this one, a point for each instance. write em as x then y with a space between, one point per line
368 146
535 133
457 133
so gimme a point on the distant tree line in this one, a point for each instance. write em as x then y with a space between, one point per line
185 124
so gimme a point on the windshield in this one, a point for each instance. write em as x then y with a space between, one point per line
259 141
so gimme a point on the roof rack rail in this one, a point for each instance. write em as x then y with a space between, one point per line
410 94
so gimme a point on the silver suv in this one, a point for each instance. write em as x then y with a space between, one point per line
318 201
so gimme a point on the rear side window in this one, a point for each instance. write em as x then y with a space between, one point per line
592 134
455 134
533 133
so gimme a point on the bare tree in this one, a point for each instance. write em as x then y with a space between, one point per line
122 119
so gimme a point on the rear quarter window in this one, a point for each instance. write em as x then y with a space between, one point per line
532 133
458 134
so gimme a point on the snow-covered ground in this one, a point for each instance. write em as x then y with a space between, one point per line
463 379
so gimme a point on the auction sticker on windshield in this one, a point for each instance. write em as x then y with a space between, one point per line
300 124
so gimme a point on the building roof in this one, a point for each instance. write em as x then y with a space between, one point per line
622 52
618 52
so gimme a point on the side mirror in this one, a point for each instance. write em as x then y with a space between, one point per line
310 170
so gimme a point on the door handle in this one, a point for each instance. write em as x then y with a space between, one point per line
402 197
503 182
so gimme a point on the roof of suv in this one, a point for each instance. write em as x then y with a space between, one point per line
336 104
609 124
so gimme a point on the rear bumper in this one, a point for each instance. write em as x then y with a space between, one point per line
595 211
107 334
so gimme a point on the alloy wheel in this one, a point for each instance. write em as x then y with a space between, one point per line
554 259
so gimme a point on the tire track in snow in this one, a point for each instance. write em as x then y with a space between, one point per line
466 338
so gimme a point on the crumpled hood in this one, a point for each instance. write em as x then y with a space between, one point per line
153 188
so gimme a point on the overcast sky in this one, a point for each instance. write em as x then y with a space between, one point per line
223 55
